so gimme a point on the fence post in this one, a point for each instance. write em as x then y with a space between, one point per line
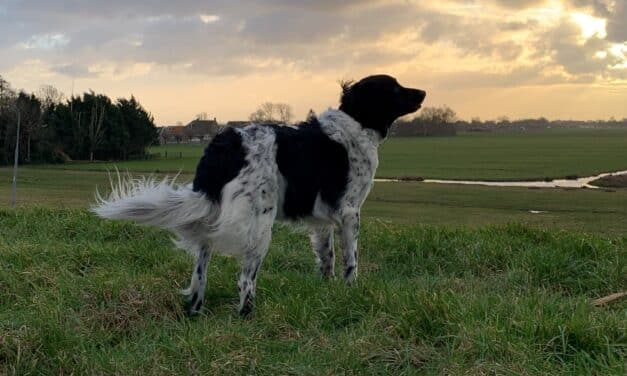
16 158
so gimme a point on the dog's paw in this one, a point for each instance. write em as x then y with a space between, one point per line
350 275
192 302
247 307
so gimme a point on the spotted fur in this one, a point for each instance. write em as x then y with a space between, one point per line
317 174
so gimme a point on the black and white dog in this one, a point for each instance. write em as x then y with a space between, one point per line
317 173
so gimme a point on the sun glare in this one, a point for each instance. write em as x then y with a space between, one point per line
590 26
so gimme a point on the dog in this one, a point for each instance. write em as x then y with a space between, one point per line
317 173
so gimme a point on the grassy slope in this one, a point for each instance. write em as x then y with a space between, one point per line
491 156
80 295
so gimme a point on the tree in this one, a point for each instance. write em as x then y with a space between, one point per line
432 121
83 127
202 116
140 125
49 96
272 113
96 130
30 114
437 115
8 121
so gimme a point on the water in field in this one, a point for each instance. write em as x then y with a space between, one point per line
557 183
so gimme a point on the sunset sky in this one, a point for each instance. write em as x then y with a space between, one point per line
487 58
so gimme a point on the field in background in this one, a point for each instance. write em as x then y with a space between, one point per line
451 205
85 296
481 156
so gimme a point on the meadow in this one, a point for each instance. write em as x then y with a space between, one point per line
453 279
479 156
85 296
592 211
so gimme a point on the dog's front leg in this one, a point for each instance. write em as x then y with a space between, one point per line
349 231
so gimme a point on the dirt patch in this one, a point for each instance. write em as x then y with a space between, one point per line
611 181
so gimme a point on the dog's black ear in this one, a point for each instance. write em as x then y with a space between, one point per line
346 85
346 99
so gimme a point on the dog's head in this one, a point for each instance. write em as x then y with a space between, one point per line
376 101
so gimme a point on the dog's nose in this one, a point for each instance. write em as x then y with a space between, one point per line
418 95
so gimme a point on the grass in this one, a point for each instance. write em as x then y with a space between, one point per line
482 156
85 296
584 210
594 211
453 279
612 181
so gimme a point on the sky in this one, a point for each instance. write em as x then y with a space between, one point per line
562 59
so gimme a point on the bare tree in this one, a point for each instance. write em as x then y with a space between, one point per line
272 113
284 112
96 130
438 115
49 96
7 94
202 116
30 112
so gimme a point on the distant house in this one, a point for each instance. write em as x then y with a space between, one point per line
173 134
196 132
202 131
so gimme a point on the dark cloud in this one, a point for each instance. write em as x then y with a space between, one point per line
519 4
617 23
72 70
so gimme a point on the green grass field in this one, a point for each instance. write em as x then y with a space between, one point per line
481 156
85 296
592 211
453 279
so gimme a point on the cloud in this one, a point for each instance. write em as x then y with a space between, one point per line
72 70
226 38
617 23
519 4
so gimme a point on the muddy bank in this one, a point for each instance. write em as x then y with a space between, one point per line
611 181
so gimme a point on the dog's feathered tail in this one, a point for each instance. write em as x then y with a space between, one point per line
162 203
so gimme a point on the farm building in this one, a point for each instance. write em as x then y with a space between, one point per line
197 131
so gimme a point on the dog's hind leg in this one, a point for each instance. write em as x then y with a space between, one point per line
195 293
248 277
322 243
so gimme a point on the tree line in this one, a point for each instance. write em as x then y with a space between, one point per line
54 129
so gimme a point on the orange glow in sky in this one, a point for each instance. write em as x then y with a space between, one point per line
529 58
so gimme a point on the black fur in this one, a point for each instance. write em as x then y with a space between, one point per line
376 101
312 164
222 161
